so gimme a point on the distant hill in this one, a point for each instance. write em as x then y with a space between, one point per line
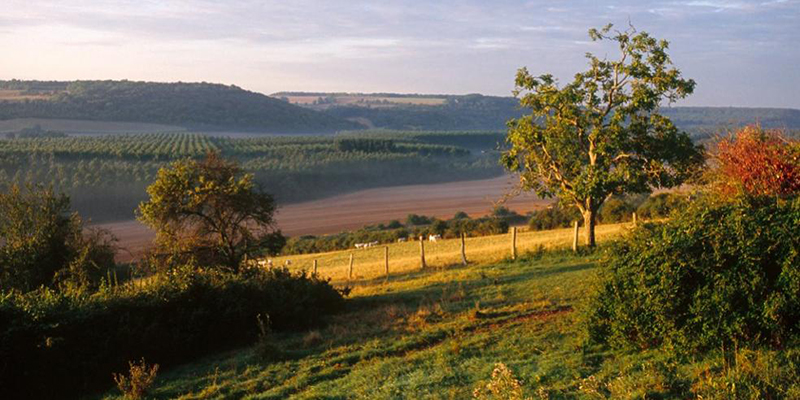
478 112
197 106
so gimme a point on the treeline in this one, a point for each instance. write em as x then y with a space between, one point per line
193 105
614 210
473 140
106 175
478 112
414 227
471 112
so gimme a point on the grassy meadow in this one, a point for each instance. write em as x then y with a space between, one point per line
440 333
369 264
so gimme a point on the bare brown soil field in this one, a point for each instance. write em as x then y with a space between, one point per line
372 206
18 95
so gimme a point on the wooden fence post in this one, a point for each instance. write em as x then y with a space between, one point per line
575 237
386 260
513 242
422 264
350 274
315 267
463 249
635 221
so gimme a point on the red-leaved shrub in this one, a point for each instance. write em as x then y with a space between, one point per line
759 162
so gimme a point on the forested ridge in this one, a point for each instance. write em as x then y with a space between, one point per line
204 106
479 112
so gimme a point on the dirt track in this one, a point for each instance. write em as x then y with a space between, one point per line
354 210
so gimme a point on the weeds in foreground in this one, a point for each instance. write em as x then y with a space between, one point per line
266 349
503 386
139 380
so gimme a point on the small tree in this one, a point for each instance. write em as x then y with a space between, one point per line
210 211
43 243
602 134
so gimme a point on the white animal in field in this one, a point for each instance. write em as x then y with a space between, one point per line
370 244
400 240
433 238
360 245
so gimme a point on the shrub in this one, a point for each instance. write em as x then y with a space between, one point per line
44 244
554 217
615 210
137 383
719 273
661 205
74 342
759 162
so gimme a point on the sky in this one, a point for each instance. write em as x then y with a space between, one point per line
740 53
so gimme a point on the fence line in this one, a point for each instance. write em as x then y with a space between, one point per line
340 265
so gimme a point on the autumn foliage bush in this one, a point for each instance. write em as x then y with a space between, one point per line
725 271
758 162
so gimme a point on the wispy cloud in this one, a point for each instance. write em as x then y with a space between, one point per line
394 45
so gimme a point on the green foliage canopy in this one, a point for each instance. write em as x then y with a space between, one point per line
210 211
602 134
43 244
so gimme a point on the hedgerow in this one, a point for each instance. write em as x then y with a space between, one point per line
56 345
722 272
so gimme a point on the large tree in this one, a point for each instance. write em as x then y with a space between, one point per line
211 211
602 133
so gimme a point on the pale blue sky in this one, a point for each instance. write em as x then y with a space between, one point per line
741 53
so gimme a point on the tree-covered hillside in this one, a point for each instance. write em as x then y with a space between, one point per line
193 105
478 112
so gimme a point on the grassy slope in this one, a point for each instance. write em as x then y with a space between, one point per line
439 334
404 257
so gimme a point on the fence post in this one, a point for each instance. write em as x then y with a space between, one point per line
635 221
386 260
315 267
575 237
350 274
463 249
422 264
513 242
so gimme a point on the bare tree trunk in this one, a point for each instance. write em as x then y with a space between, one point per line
589 222
575 237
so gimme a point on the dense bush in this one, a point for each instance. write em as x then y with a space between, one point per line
719 273
615 210
661 205
554 217
55 345
759 162
42 243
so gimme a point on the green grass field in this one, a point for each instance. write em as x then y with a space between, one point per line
439 333
369 264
